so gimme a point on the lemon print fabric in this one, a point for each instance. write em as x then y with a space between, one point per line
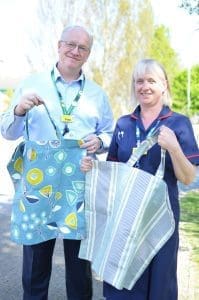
31 154
60 156
32 198
78 186
69 169
71 197
49 202
71 220
34 176
50 170
58 195
22 206
18 165
46 191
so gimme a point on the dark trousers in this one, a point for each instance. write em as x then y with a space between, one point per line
37 267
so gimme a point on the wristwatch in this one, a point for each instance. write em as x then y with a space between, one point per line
101 142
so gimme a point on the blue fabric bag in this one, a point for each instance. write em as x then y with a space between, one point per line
49 190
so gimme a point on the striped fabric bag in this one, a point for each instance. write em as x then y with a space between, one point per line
128 218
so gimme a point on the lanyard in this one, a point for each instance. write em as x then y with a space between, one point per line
138 137
66 116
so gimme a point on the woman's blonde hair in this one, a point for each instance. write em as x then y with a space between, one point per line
153 67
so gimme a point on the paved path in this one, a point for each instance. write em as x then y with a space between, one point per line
11 262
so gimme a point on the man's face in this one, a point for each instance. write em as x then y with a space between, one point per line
74 49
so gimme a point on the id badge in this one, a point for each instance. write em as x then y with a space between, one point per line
66 118
135 149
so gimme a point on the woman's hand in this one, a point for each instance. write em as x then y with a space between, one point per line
86 164
183 168
167 139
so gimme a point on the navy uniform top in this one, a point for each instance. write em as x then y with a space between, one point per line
124 140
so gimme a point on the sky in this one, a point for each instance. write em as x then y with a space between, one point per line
14 25
184 29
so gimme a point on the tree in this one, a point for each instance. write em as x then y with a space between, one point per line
123 32
179 89
51 17
191 6
162 51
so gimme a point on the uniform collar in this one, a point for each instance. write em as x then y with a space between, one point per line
165 113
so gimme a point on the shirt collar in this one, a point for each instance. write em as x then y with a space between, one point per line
58 76
165 113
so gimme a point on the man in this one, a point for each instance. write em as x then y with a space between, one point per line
81 110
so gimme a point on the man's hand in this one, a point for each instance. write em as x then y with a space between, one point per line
28 101
91 143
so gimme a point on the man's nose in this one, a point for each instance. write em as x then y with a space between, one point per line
76 50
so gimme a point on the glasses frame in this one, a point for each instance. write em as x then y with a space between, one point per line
71 46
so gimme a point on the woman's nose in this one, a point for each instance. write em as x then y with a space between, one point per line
145 85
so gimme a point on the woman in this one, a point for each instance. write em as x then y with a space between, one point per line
151 94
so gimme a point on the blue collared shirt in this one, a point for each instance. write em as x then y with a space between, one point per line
93 114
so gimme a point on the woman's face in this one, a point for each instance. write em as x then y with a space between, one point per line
149 89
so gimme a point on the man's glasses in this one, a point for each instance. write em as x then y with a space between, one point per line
71 46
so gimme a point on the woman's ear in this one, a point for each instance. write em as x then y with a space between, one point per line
165 86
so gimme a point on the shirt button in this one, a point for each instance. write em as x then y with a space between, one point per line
71 134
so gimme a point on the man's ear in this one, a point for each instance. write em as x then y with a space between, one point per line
59 44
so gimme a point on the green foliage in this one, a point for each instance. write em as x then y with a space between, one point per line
189 222
179 90
162 51
123 31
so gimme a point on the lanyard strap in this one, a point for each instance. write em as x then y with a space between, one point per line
145 145
67 112
138 137
138 134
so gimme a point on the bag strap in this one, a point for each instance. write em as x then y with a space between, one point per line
144 147
58 133
160 170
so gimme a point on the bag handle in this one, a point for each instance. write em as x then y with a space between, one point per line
144 147
58 133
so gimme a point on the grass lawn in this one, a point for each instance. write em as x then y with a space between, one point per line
189 230
189 222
